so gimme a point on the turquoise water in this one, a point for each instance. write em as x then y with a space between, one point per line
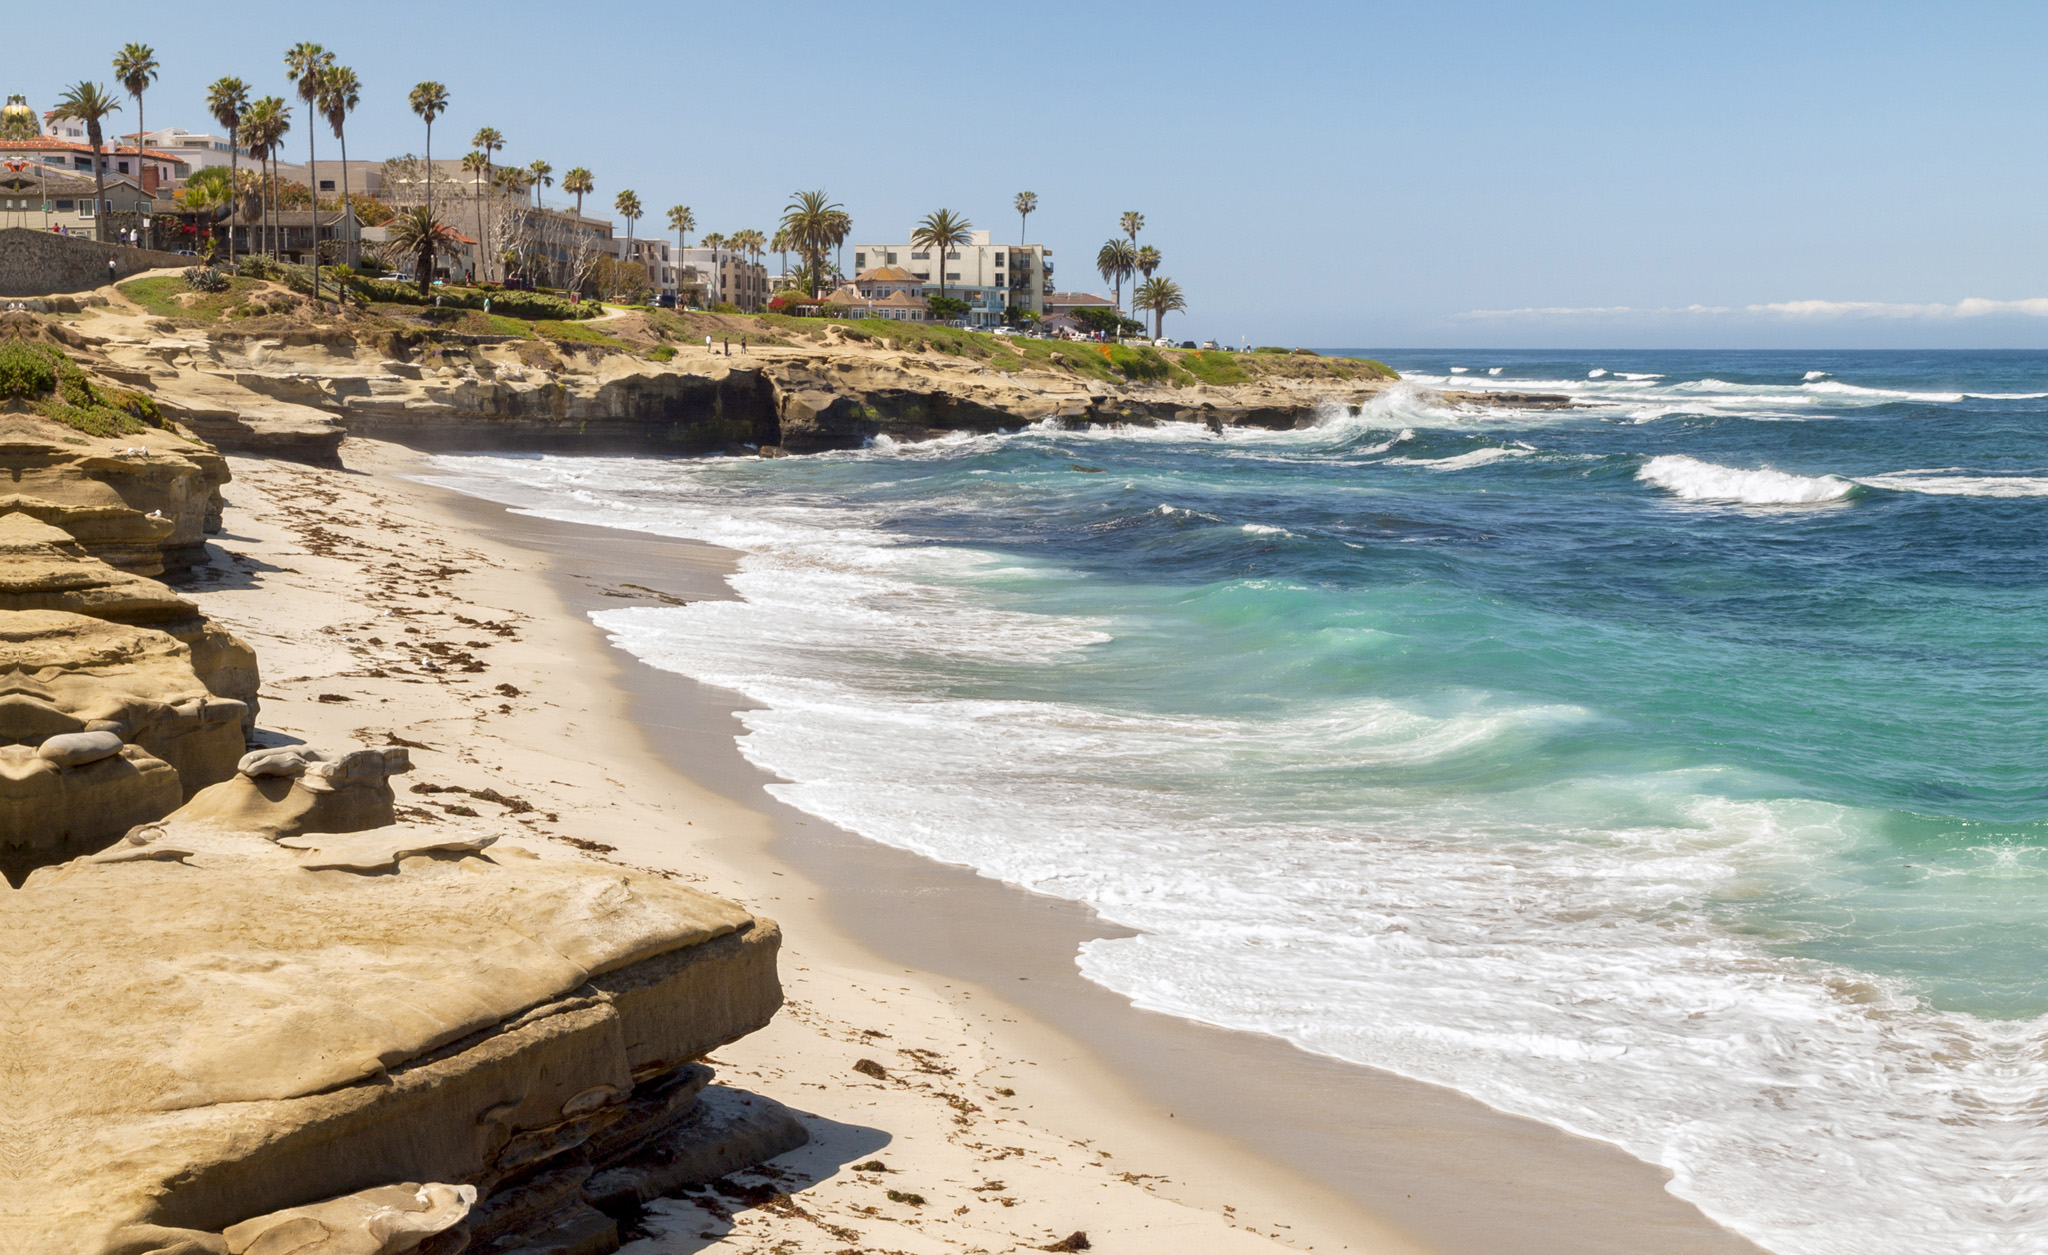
1671 768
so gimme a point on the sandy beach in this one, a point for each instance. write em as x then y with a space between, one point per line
965 1089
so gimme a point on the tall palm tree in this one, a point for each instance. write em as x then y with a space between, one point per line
1115 261
841 225
579 183
1131 223
1162 296
418 234
682 222
429 100
340 92
779 245
539 174
267 123
938 232
815 223
487 141
474 164
307 64
91 104
627 204
136 66
1027 204
1147 261
225 100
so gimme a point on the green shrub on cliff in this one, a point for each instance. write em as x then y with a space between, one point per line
1144 363
511 304
26 372
54 387
1214 366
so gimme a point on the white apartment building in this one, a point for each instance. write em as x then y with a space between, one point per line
720 274
990 277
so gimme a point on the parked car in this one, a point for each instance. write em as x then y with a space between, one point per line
1188 344
1006 331
1162 344
1209 346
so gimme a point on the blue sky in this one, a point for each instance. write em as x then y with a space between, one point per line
1590 174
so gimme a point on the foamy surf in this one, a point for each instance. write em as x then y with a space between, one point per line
1488 873
1690 479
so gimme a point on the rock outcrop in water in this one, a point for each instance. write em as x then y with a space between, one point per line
241 1009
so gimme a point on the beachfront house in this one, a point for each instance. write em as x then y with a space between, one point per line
889 292
992 278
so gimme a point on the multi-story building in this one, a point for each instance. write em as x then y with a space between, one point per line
50 198
149 169
721 275
990 277
652 256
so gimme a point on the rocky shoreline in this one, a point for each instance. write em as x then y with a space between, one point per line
294 387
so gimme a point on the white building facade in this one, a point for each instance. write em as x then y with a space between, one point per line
990 277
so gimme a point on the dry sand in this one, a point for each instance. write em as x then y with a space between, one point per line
935 1023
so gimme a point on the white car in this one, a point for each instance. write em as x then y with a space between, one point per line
1208 346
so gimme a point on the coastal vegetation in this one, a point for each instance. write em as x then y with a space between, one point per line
44 381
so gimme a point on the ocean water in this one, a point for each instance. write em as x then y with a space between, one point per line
1673 769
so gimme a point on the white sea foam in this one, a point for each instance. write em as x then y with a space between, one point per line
1812 375
1835 387
1525 947
1693 480
1459 370
1954 482
1596 373
1495 370
1461 461
1266 529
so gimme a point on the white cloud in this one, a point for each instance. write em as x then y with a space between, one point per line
1791 311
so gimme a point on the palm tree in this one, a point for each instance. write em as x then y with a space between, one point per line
938 232
429 100
225 100
91 104
136 66
1162 296
1027 203
267 123
486 141
539 173
713 241
417 233
1147 261
627 204
682 222
842 227
340 93
780 247
307 64
1131 223
815 224
1115 261
578 183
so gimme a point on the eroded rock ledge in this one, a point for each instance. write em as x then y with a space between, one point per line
243 1011
296 393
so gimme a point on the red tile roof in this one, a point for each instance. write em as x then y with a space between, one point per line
47 143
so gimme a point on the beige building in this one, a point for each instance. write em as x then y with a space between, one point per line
49 198
721 275
990 277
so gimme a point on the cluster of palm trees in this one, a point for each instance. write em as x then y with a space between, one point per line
1121 258
813 224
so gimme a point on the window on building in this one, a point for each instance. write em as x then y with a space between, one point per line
85 208
952 276
999 261
891 261
953 256
66 206
327 185
123 167
860 262
920 257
